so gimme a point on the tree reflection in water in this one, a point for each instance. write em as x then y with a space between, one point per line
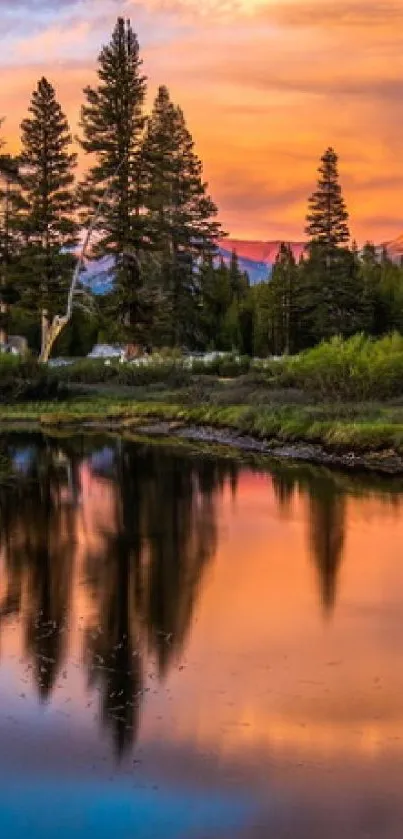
326 521
143 578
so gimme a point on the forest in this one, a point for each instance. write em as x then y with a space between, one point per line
151 213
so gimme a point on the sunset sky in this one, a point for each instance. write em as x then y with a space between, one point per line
266 86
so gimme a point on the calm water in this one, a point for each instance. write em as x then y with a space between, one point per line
194 649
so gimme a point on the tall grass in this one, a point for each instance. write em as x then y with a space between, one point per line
358 369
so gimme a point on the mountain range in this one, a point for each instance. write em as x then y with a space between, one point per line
255 257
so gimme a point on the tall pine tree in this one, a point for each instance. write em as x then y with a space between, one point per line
112 124
327 219
330 282
48 226
180 216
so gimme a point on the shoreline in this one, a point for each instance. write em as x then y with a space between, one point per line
152 424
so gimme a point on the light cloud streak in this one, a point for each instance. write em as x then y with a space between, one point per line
265 86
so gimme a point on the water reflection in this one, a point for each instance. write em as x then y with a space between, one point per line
326 521
145 572
37 525
198 610
143 577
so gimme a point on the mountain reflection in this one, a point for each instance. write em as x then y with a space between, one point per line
154 516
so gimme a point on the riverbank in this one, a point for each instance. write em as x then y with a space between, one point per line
367 436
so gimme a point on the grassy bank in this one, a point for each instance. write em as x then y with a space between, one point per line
343 395
364 428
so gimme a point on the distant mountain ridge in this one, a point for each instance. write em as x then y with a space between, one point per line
254 256
395 248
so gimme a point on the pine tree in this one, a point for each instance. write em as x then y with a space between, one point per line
389 301
10 202
330 294
283 301
112 123
330 302
327 219
216 299
48 226
262 317
179 214
371 273
239 280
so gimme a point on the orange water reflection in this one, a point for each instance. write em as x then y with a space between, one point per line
253 619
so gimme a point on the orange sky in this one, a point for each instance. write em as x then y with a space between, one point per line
266 86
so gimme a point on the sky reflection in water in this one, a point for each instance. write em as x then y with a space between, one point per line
193 649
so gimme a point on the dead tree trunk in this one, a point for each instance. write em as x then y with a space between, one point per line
51 329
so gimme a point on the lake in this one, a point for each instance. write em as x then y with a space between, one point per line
192 647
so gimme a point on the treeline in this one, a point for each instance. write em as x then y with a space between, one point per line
159 226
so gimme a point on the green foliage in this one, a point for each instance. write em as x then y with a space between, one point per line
226 315
25 380
331 297
283 303
167 367
89 371
358 368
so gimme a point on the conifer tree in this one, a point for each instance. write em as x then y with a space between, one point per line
370 269
216 299
330 302
48 226
112 124
262 318
327 219
239 280
179 214
330 279
10 202
283 301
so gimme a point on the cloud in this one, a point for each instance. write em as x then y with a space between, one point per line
327 13
55 42
265 87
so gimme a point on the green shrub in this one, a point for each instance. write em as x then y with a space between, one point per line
358 368
88 372
231 367
26 380
170 369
